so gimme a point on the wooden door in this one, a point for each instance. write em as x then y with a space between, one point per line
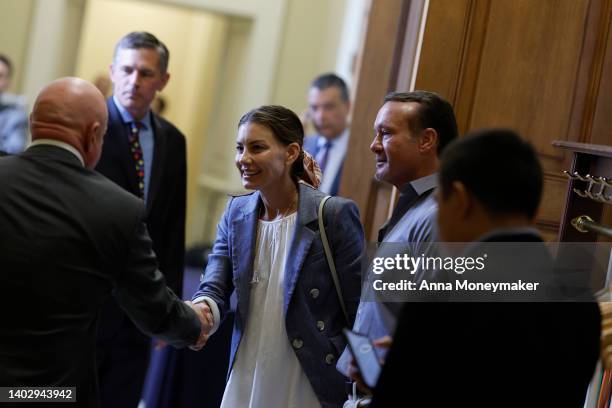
539 67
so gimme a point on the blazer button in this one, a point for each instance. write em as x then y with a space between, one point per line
329 359
320 325
314 293
297 343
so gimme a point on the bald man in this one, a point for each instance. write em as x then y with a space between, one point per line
68 238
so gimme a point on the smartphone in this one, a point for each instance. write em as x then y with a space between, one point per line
365 356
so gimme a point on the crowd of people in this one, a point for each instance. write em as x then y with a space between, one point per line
92 225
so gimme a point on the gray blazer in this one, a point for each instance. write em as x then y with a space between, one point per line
313 315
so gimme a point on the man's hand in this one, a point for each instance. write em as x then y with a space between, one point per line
384 343
355 374
159 344
206 320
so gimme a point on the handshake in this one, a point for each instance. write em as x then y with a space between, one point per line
206 320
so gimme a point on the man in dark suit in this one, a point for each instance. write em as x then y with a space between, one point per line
68 238
499 353
145 155
328 108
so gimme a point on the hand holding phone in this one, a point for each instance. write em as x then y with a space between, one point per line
365 356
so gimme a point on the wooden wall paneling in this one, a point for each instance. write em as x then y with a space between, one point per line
592 106
452 50
403 45
597 130
529 64
589 73
583 91
375 77
526 80
467 77
542 68
409 57
443 43
380 199
555 186
550 233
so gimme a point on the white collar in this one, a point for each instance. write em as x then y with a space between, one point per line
62 145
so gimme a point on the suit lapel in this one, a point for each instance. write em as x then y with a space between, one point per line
117 136
244 240
302 240
159 157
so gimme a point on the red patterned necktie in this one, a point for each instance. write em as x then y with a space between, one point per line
136 150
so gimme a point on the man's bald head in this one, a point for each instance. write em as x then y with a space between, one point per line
73 111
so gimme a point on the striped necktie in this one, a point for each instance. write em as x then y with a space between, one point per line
136 150
324 155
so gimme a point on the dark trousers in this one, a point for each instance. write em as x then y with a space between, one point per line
122 366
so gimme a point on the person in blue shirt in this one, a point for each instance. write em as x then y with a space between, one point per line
13 118
328 109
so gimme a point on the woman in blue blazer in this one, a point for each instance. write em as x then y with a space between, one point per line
268 251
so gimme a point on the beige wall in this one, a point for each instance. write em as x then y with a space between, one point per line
256 51
311 38
15 17
195 40
53 40
308 35
270 57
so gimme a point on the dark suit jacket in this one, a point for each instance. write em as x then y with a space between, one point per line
310 145
68 237
521 354
310 294
165 214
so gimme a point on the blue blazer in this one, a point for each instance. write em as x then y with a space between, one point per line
310 294
310 145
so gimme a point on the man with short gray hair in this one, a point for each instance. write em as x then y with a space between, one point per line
145 155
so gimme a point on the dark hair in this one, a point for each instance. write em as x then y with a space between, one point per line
327 81
142 39
435 112
284 124
6 61
498 167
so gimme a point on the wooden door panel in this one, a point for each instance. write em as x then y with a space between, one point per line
528 69
601 131
543 68
439 66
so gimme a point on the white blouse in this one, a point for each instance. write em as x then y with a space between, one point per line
266 371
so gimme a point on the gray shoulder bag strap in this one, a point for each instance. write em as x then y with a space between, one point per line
330 259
